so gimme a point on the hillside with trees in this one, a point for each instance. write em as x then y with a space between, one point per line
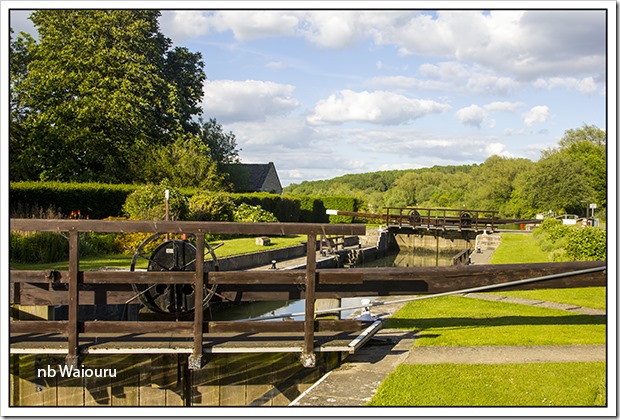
565 180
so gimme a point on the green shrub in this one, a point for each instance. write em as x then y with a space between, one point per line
148 203
252 214
571 243
211 207
588 243
285 209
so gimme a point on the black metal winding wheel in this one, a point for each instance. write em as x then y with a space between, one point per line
414 217
172 255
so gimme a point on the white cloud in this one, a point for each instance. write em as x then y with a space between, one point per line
420 147
452 77
409 83
291 133
230 100
536 115
527 44
587 85
253 24
183 24
472 115
379 107
504 106
497 149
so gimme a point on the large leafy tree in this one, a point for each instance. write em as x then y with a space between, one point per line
100 90
222 146
570 176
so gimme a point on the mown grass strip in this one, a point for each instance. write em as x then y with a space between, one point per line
517 248
458 321
588 297
533 384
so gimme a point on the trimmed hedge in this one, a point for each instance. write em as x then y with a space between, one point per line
285 209
99 201
312 210
344 204
96 200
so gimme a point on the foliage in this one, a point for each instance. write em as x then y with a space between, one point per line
495 385
344 204
493 184
312 210
586 244
184 163
100 89
557 183
96 200
148 203
285 209
211 207
48 247
252 214
222 146
572 243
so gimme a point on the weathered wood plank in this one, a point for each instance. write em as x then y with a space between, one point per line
337 283
74 268
257 277
308 358
61 225
282 327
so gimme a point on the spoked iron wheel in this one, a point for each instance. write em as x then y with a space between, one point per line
414 217
172 255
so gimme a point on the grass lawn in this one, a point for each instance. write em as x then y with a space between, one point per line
517 248
460 321
532 384
589 297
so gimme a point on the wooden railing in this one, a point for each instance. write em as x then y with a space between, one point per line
441 218
74 279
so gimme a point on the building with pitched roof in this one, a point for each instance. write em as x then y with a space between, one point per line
254 177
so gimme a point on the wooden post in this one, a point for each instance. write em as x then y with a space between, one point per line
308 358
195 360
74 268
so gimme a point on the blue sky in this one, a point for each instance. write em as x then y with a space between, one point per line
323 93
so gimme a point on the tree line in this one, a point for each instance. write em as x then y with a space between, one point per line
102 96
566 179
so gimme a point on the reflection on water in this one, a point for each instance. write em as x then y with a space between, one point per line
409 258
406 258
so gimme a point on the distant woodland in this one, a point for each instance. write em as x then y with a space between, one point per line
566 179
